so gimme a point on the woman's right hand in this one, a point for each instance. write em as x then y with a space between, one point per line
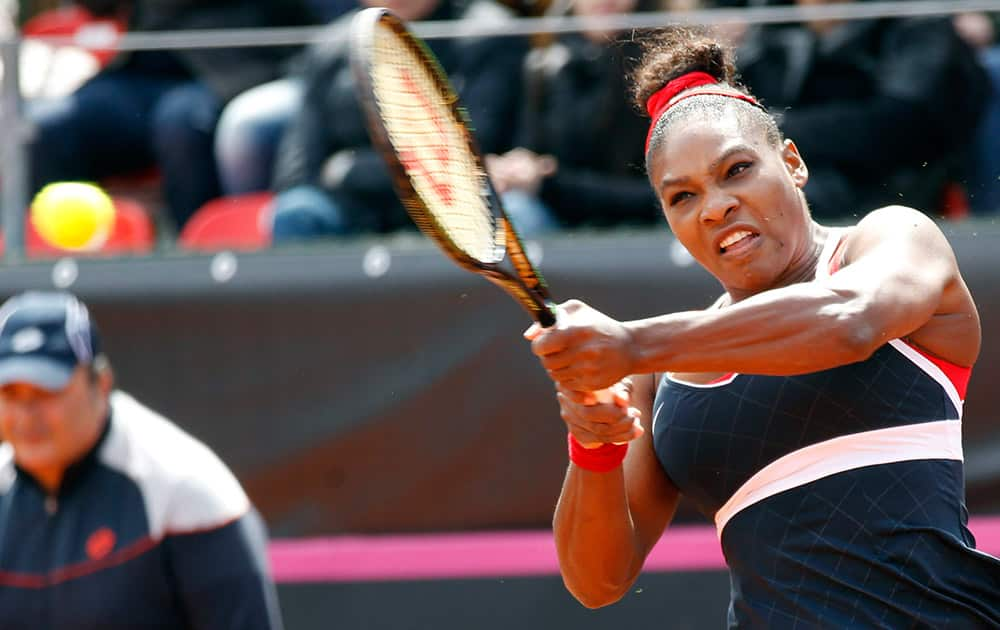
594 421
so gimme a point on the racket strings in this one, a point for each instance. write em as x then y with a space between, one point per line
430 143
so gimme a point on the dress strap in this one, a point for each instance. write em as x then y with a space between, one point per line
830 258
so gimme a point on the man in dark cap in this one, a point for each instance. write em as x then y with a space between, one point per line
111 516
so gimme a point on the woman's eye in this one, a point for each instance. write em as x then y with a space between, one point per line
679 197
738 168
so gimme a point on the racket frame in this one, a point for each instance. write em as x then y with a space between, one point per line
525 284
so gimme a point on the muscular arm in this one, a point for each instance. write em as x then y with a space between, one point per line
900 271
606 523
900 280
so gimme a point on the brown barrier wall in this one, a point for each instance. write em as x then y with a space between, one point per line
407 401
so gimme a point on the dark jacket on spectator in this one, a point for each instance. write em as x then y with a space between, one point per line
578 109
484 72
879 109
227 71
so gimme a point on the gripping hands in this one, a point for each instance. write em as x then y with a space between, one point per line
588 355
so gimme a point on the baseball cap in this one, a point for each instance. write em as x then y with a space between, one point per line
44 336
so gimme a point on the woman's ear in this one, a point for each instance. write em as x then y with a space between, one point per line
794 163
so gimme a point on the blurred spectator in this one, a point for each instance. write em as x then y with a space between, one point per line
881 109
330 180
329 10
983 183
252 124
158 107
112 517
580 144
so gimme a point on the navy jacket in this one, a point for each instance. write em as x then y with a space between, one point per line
575 84
150 530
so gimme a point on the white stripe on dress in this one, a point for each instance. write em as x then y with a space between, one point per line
927 440
717 383
823 271
932 370
829 249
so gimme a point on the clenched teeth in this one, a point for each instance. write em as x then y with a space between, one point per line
734 237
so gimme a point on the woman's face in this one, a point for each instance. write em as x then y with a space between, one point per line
733 200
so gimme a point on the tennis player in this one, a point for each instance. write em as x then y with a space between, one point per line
813 412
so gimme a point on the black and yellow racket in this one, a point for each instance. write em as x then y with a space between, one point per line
417 124
419 127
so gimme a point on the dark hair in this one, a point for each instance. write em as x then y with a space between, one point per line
674 51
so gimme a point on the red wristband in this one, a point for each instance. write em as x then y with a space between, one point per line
604 458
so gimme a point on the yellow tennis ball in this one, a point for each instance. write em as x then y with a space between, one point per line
73 215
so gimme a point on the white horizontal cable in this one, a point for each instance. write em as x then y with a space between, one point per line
441 29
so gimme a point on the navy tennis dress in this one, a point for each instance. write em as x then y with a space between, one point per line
838 495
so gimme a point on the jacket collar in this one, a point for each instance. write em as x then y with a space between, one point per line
78 469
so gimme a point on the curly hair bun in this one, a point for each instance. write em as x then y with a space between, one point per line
677 50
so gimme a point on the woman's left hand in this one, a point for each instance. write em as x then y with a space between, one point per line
586 350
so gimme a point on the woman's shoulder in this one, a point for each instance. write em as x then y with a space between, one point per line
892 221
895 211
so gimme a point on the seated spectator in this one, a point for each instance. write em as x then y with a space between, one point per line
983 173
558 176
159 107
881 109
252 124
330 181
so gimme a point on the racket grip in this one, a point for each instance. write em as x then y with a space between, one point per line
603 396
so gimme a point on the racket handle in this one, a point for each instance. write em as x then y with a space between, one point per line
603 396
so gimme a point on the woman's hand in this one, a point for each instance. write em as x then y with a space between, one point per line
586 350
593 423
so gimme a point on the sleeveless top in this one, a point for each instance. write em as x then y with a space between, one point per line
838 495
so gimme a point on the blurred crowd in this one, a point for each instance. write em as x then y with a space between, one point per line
901 110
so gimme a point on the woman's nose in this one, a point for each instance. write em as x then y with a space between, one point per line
717 207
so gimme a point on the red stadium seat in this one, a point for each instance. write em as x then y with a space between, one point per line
77 22
132 233
234 222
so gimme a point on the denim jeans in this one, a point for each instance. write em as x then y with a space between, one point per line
249 132
305 213
121 122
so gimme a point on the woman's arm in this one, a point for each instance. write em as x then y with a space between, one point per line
900 272
606 523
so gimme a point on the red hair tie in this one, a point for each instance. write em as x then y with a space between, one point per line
660 101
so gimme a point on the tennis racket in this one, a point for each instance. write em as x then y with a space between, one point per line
418 126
